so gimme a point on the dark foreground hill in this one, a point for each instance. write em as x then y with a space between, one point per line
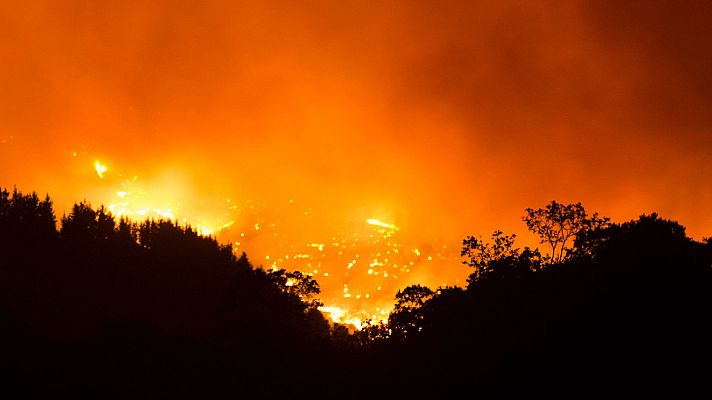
114 309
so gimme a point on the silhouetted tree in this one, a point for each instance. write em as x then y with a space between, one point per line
373 332
127 232
407 316
26 217
557 224
81 223
498 259
295 283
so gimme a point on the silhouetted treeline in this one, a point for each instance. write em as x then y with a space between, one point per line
94 306
111 307
617 310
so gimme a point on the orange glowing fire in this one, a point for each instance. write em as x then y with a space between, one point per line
165 199
100 169
339 315
359 267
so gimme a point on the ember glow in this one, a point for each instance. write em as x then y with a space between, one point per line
355 142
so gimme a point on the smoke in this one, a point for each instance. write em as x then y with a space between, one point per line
444 118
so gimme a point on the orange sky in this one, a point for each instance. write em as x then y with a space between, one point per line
442 118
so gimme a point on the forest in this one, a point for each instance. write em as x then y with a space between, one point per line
92 305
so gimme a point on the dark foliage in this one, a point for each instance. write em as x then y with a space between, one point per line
107 308
625 315
132 310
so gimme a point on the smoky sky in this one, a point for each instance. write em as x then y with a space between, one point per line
447 118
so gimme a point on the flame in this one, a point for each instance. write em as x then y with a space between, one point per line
160 199
205 231
100 169
372 221
339 316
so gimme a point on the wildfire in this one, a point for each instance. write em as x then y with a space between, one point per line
359 267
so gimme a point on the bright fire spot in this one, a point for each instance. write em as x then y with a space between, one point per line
163 199
337 315
381 224
100 169
204 231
